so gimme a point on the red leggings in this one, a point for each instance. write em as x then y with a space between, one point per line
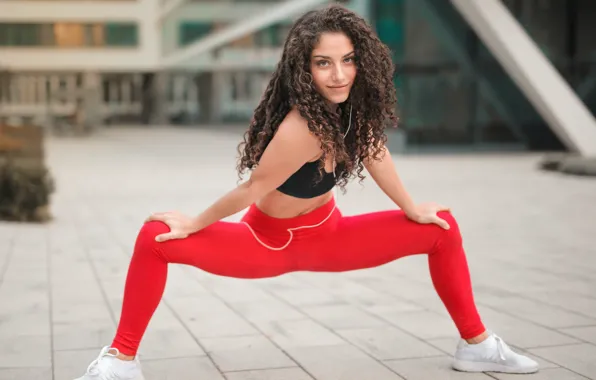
336 243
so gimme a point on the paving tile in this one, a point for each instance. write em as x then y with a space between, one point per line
245 353
165 344
290 281
71 364
389 343
180 368
299 333
342 362
26 373
567 300
74 336
27 302
431 368
543 374
308 297
31 290
237 290
587 333
270 374
26 271
423 324
263 312
25 351
343 317
538 312
90 312
528 290
179 284
576 357
522 333
404 288
24 324
208 317
389 307
164 318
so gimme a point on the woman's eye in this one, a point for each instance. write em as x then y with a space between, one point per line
349 60
321 63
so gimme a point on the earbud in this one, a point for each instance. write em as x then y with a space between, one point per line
349 122
345 134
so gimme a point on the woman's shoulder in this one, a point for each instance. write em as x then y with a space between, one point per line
294 123
293 130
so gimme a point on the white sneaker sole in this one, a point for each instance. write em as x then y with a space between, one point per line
138 377
468 366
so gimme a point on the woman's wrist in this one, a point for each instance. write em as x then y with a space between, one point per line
198 223
231 203
411 211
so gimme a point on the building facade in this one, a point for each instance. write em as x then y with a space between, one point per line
59 55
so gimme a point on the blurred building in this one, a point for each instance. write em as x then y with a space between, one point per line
109 56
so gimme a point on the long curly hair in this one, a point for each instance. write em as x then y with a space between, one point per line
372 96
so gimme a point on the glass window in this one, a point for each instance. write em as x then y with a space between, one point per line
68 35
58 0
121 34
191 31
19 34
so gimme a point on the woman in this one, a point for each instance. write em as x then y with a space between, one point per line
321 122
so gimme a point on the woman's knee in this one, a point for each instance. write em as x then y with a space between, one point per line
453 234
149 231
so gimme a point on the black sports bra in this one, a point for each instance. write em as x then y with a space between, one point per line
303 183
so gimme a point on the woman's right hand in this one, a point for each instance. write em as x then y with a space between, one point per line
426 213
180 225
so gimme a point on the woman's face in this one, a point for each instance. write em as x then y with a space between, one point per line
333 67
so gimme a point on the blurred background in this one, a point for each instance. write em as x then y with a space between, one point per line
74 65
139 105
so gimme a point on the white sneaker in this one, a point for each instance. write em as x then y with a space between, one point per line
108 367
492 355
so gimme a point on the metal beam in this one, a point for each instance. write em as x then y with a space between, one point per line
438 13
238 30
169 7
536 77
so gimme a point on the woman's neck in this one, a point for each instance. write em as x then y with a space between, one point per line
333 107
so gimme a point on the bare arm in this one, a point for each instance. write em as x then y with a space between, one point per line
385 175
290 148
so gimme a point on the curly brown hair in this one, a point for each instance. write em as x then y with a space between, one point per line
373 96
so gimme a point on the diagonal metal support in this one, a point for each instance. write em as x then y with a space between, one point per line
169 7
247 26
440 16
534 74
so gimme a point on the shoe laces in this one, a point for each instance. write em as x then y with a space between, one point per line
106 373
501 347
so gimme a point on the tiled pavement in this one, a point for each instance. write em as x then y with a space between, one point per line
529 236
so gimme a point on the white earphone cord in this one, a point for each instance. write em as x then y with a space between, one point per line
301 227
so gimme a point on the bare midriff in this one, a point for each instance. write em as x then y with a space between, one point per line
280 205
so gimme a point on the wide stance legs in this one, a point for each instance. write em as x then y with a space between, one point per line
339 244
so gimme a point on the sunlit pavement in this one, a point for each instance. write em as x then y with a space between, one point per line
529 236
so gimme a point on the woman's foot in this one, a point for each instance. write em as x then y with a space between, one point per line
491 355
108 367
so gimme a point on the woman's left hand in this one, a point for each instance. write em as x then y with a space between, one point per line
426 213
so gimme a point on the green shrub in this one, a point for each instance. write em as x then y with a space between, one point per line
25 189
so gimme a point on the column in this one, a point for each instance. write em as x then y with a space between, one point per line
92 101
159 98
